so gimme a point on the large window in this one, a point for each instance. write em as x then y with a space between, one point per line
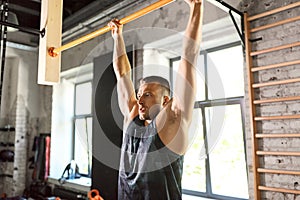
215 164
71 128
82 123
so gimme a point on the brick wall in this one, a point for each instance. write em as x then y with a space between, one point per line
27 107
20 160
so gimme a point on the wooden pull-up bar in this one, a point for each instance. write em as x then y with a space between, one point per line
55 51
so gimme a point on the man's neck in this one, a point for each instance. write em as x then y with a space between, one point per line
147 122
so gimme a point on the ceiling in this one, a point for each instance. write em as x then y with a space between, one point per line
74 13
28 11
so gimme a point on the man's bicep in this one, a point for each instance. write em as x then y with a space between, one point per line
185 88
126 95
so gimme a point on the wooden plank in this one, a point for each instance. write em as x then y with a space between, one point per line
274 100
284 64
277 117
277 153
271 12
275 24
255 53
51 19
274 135
252 113
272 83
283 190
276 171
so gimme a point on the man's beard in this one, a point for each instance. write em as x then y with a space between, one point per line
151 113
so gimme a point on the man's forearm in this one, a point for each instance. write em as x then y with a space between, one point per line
120 60
191 45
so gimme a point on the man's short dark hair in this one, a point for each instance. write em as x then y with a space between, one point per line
157 79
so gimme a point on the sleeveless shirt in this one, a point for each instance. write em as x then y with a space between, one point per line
148 169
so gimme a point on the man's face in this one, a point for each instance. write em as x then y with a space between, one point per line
150 100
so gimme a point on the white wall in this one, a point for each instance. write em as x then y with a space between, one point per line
9 93
62 113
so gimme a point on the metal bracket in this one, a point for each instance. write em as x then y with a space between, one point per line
230 7
43 32
255 39
24 29
241 34
237 28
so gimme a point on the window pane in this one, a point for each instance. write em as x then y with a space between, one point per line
83 99
227 155
225 73
194 177
83 144
200 77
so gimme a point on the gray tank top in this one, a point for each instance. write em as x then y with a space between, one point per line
148 169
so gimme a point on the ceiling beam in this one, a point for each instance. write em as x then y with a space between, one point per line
99 19
24 9
85 13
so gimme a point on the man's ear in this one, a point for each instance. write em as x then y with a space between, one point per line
166 100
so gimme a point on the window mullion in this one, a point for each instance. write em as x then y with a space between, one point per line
205 76
73 138
243 114
207 165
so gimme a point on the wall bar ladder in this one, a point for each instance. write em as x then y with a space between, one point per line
254 103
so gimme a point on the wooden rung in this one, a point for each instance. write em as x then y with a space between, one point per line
271 189
276 117
271 83
275 24
275 171
261 101
277 153
255 53
271 12
284 64
275 135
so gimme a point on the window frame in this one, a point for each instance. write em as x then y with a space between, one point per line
81 116
202 104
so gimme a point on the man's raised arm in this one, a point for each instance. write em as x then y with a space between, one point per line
185 86
121 65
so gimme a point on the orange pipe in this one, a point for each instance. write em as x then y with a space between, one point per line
55 51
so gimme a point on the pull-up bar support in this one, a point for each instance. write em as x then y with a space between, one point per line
230 7
55 51
237 27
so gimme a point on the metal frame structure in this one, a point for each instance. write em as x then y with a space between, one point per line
3 38
53 51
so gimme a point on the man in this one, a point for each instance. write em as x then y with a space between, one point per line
155 132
